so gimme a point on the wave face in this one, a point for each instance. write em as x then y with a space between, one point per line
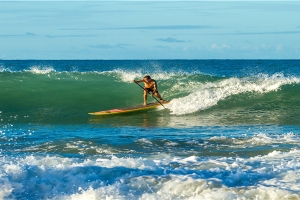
215 91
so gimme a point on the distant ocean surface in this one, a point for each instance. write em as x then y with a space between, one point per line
231 130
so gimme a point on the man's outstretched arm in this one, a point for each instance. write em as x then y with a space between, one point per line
139 81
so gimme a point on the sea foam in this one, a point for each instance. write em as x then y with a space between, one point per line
40 70
272 176
209 94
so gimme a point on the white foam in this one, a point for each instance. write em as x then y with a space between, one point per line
40 70
259 139
144 140
210 94
272 176
265 139
129 75
181 187
125 75
6 187
3 69
139 163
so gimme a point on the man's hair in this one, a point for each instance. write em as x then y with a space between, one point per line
147 77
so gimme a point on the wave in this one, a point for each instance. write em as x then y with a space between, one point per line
177 177
45 91
205 95
39 70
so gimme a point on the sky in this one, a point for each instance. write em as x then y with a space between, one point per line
149 30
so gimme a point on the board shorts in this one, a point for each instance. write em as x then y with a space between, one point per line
150 90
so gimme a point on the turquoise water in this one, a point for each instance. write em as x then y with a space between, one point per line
231 130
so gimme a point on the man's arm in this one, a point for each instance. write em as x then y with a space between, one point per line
139 81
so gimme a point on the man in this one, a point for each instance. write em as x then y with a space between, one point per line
150 86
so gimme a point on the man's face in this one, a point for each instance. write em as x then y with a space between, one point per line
146 80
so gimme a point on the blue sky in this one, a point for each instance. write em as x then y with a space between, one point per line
149 30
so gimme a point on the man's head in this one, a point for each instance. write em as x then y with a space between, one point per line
146 78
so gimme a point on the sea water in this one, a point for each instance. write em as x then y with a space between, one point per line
231 130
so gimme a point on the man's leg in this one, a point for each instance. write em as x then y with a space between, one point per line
158 96
145 97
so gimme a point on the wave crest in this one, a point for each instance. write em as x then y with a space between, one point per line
209 94
40 70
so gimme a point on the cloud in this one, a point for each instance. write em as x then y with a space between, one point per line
170 40
70 36
161 47
174 27
10 35
102 46
220 47
105 46
264 33
279 48
165 27
264 46
30 34
18 35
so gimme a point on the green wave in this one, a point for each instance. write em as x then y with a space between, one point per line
67 97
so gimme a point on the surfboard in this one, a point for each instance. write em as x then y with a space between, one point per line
127 110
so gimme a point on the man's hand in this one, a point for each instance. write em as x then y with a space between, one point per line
133 81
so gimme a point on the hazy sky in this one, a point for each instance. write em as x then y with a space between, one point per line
149 30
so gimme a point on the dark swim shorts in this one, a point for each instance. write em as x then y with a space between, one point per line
150 90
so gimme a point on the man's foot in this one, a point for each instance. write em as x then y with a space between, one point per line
163 101
145 103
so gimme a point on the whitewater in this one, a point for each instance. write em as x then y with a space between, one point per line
231 130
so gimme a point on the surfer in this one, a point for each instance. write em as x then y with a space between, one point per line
150 86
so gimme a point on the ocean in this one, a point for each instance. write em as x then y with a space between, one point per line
231 130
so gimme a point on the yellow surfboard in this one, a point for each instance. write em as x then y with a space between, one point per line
127 110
